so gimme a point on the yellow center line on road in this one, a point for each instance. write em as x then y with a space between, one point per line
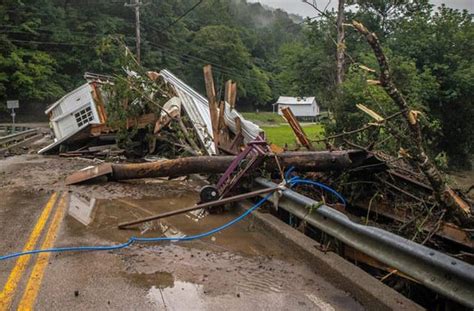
8 292
34 283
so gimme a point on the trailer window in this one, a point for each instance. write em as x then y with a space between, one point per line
84 116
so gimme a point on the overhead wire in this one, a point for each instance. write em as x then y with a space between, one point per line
48 42
221 68
183 15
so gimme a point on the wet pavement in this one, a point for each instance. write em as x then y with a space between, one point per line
239 268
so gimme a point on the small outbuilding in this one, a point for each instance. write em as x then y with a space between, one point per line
72 114
304 108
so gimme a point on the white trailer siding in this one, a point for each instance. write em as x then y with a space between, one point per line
73 112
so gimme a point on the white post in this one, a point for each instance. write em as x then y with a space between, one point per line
13 120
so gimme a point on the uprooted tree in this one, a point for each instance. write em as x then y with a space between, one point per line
415 150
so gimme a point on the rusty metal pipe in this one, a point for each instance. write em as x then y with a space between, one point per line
199 206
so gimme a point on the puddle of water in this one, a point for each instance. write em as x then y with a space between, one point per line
182 296
101 218
156 280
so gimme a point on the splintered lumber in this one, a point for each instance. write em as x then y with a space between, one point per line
296 127
303 161
230 93
211 96
222 127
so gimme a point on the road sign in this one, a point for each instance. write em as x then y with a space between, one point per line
13 104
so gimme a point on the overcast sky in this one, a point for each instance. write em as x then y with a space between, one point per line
298 7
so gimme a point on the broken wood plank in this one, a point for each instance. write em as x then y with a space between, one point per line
296 127
233 147
230 93
89 173
211 96
447 231
188 137
360 257
141 121
223 129
102 147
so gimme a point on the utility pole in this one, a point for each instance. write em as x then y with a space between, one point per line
136 5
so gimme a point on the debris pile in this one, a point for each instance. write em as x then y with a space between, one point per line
149 113
143 114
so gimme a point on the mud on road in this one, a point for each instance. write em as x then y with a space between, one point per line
240 268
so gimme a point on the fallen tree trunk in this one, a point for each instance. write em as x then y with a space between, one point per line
304 161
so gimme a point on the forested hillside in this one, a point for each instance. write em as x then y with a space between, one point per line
47 45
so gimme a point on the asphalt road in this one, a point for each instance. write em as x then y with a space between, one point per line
240 268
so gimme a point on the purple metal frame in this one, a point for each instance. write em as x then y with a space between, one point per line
253 153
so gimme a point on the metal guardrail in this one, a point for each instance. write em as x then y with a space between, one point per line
443 274
9 128
16 137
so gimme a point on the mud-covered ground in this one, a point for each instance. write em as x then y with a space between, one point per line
239 268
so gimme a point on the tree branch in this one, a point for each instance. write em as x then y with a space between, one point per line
443 193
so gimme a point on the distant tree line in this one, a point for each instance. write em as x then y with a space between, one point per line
47 45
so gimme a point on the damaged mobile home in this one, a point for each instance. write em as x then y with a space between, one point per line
81 115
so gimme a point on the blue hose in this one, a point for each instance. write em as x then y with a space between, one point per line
298 181
135 239
293 181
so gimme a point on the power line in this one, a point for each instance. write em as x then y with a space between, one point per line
176 54
217 70
189 56
47 42
183 15
216 67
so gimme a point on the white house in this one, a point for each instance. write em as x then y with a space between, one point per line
302 107
71 114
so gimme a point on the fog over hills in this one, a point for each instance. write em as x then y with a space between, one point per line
298 7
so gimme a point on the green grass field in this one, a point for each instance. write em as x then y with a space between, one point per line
279 132
264 118
283 134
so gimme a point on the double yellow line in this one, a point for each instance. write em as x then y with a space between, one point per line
34 282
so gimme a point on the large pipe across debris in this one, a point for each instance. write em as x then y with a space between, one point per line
307 161
220 202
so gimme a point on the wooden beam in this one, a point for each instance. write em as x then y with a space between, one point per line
211 96
233 95
296 127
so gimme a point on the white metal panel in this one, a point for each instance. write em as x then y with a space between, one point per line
197 108
66 126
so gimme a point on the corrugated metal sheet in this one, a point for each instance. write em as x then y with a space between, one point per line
197 108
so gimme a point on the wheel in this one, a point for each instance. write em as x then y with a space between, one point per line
209 193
